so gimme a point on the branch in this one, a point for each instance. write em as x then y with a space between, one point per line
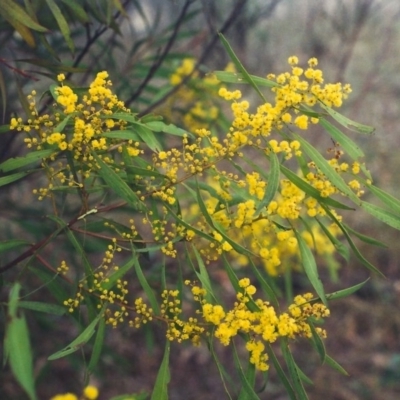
17 70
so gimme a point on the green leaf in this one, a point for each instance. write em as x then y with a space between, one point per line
365 238
126 134
247 392
203 276
60 127
381 214
327 169
145 134
339 246
98 345
345 292
30 158
43 307
237 77
4 128
281 374
5 180
62 23
346 122
52 284
386 198
115 182
240 66
318 342
145 285
81 340
12 11
12 244
113 278
333 364
213 224
148 137
311 191
265 285
310 267
80 250
78 11
189 226
343 140
159 126
293 372
17 345
160 391
132 169
273 183
352 245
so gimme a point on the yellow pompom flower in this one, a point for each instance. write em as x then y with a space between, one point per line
91 392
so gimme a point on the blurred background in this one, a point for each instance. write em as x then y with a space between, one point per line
355 41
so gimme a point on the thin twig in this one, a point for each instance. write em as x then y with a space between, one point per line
158 62
205 54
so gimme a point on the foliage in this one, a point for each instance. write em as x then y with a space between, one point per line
180 213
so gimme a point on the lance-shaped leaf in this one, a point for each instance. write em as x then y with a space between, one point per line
145 285
30 158
293 371
327 169
247 391
115 182
43 307
351 243
5 180
318 342
282 376
160 391
112 279
346 292
77 10
381 214
12 11
17 345
365 238
339 246
237 77
160 126
335 365
81 340
12 244
343 140
346 122
386 198
98 345
126 134
203 276
62 23
145 134
273 183
310 267
240 66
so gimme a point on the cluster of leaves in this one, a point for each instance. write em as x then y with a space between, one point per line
249 197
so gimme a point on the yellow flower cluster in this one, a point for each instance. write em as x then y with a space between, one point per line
195 98
76 125
177 329
89 393
259 320
265 235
